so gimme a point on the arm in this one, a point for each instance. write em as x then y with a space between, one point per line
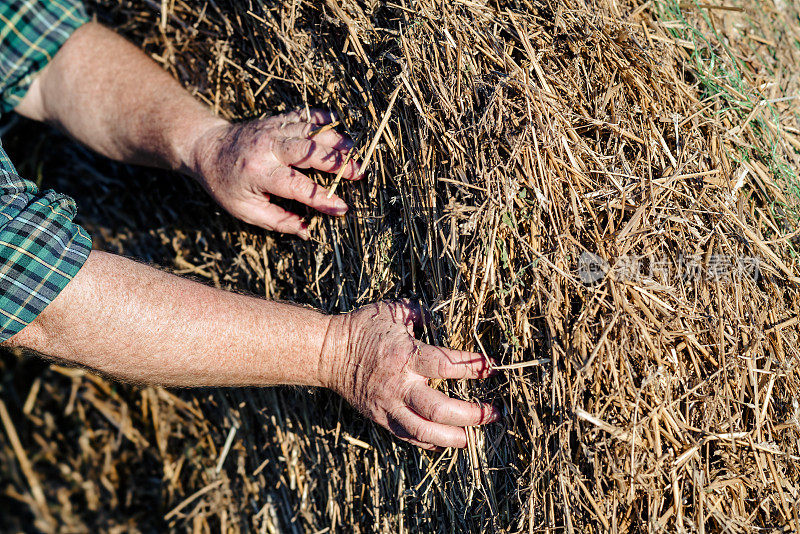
134 322
137 323
110 96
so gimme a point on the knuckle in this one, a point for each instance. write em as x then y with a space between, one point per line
287 145
257 221
289 116
310 190
274 173
270 135
334 158
307 129
477 363
415 359
405 393
421 432
303 148
296 182
285 226
250 167
439 411
271 121
417 443
444 368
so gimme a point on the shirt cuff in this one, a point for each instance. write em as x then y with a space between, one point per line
41 250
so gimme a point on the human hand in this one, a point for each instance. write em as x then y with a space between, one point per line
244 165
372 359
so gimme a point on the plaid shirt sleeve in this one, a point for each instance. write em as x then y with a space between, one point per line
41 248
31 32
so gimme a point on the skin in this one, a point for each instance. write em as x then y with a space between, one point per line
136 323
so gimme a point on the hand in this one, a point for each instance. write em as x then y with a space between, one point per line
372 359
243 165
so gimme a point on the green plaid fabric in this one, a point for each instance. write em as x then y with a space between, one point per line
5 163
41 248
31 32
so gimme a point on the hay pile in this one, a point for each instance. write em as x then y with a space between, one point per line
582 189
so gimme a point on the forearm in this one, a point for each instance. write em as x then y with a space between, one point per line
136 323
109 95
140 324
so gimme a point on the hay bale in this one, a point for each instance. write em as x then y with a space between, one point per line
573 187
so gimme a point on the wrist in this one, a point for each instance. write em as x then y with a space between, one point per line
336 353
196 143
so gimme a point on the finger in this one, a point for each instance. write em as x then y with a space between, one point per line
309 130
435 406
440 362
328 138
314 116
409 313
292 184
324 139
275 218
310 154
299 129
335 140
400 433
409 426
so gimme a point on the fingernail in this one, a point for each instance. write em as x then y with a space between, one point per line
496 414
340 205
